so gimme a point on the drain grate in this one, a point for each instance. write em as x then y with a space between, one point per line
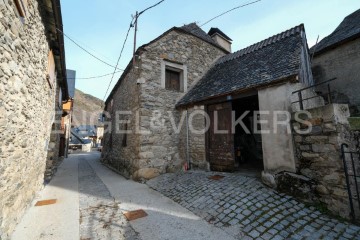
45 202
133 215
216 177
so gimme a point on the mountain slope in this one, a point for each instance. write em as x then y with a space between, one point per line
86 109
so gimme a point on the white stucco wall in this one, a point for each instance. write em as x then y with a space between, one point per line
278 149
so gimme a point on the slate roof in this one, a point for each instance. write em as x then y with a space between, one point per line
71 76
270 60
85 130
195 30
348 29
216 30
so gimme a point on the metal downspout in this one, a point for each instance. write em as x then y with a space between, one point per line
187 141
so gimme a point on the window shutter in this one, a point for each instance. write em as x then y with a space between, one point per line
172 80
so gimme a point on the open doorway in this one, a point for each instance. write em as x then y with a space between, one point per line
247 141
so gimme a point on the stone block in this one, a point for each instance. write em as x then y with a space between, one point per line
310 155
146 155
268 179
146 173
332 178
305 147
321 189
298 139
323 148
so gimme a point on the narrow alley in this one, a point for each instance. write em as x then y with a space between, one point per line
91 201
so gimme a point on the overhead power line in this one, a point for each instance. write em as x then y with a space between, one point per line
132 24
150 7
117 63
244 5
110 65
97 76
210 20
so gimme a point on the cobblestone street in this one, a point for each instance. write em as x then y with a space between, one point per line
247 209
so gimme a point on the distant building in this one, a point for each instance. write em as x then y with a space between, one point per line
338 56
67 115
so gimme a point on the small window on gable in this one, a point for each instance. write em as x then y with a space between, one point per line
21 6
173 76
172 80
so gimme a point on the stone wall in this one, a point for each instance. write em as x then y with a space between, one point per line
192 143
123 159
343 63
156 149
53 160
319 176
26 111
196 56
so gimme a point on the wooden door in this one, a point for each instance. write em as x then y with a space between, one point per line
221 145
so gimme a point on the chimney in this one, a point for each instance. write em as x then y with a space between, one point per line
220 38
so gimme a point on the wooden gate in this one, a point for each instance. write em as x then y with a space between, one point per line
221 145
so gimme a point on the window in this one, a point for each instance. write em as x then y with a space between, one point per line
124 140
172 80
21 6
173 76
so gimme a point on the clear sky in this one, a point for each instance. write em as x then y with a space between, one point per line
100 26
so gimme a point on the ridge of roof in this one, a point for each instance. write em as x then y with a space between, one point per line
195 30
261 44
348 29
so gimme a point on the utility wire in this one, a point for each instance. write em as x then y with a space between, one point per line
97 76
117 63
244 5
191 30
150 7
127 34
110 65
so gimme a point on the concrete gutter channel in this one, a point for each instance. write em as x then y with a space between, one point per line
92 200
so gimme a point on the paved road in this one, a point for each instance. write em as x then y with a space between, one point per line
246 209
91 201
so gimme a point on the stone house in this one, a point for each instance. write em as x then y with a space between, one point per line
338 56
33 87
164 70
217 80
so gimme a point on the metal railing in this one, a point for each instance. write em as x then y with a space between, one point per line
351 161
327 94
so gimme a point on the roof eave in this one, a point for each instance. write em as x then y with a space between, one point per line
290 78
335 45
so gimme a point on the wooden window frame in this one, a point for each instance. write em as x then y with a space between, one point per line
176 67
